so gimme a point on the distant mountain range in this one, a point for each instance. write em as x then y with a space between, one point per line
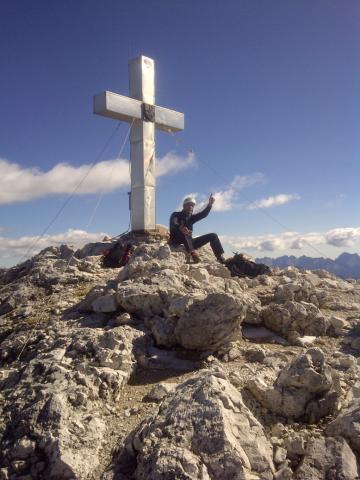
346 265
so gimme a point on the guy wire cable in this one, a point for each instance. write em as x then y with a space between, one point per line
100 197
70 196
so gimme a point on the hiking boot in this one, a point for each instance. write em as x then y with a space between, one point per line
187 258
195 257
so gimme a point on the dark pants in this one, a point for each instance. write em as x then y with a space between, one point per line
195 243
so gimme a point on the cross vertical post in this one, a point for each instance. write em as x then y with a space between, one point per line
142 147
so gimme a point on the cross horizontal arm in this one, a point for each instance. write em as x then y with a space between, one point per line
168 120
113 105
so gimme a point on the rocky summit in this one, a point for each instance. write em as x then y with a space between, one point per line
167 370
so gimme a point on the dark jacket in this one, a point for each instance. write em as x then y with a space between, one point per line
179 219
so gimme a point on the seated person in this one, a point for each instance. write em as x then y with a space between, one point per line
181 229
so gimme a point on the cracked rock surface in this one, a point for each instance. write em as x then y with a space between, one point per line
168 370
202 430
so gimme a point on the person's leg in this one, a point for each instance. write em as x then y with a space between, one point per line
187 241
214 241
189 245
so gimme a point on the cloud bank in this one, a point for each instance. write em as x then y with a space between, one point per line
337 237
17 247
269 202
19 184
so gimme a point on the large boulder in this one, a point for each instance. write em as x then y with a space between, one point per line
94 249
152 295
178 302
148 259
210 323
328 458
254 309
294 317
347 425
206 323
305 389
204 431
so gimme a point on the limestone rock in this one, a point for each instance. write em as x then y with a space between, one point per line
105 304
53 406
163 330
150 258
152 295
296 446
71 332
204 323
218 270
337 322
301 317
328 458
86 304
159 392
254 309
94 249
347 425
280 455
123 319
199 273
255 354
285 473
203 430
355 344
303 390
210 323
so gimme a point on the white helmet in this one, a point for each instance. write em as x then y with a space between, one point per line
189 200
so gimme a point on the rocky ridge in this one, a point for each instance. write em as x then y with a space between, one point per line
163 369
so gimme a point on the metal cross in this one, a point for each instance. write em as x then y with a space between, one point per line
140 110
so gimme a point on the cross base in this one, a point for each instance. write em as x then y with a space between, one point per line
159 233
158 230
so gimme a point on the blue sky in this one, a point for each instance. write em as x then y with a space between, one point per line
270 92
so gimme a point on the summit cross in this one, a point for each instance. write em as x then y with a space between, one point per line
140 110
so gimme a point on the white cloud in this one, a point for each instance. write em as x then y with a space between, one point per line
20 184
276 200
342 237
338 237
227 198
17 247
172 163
